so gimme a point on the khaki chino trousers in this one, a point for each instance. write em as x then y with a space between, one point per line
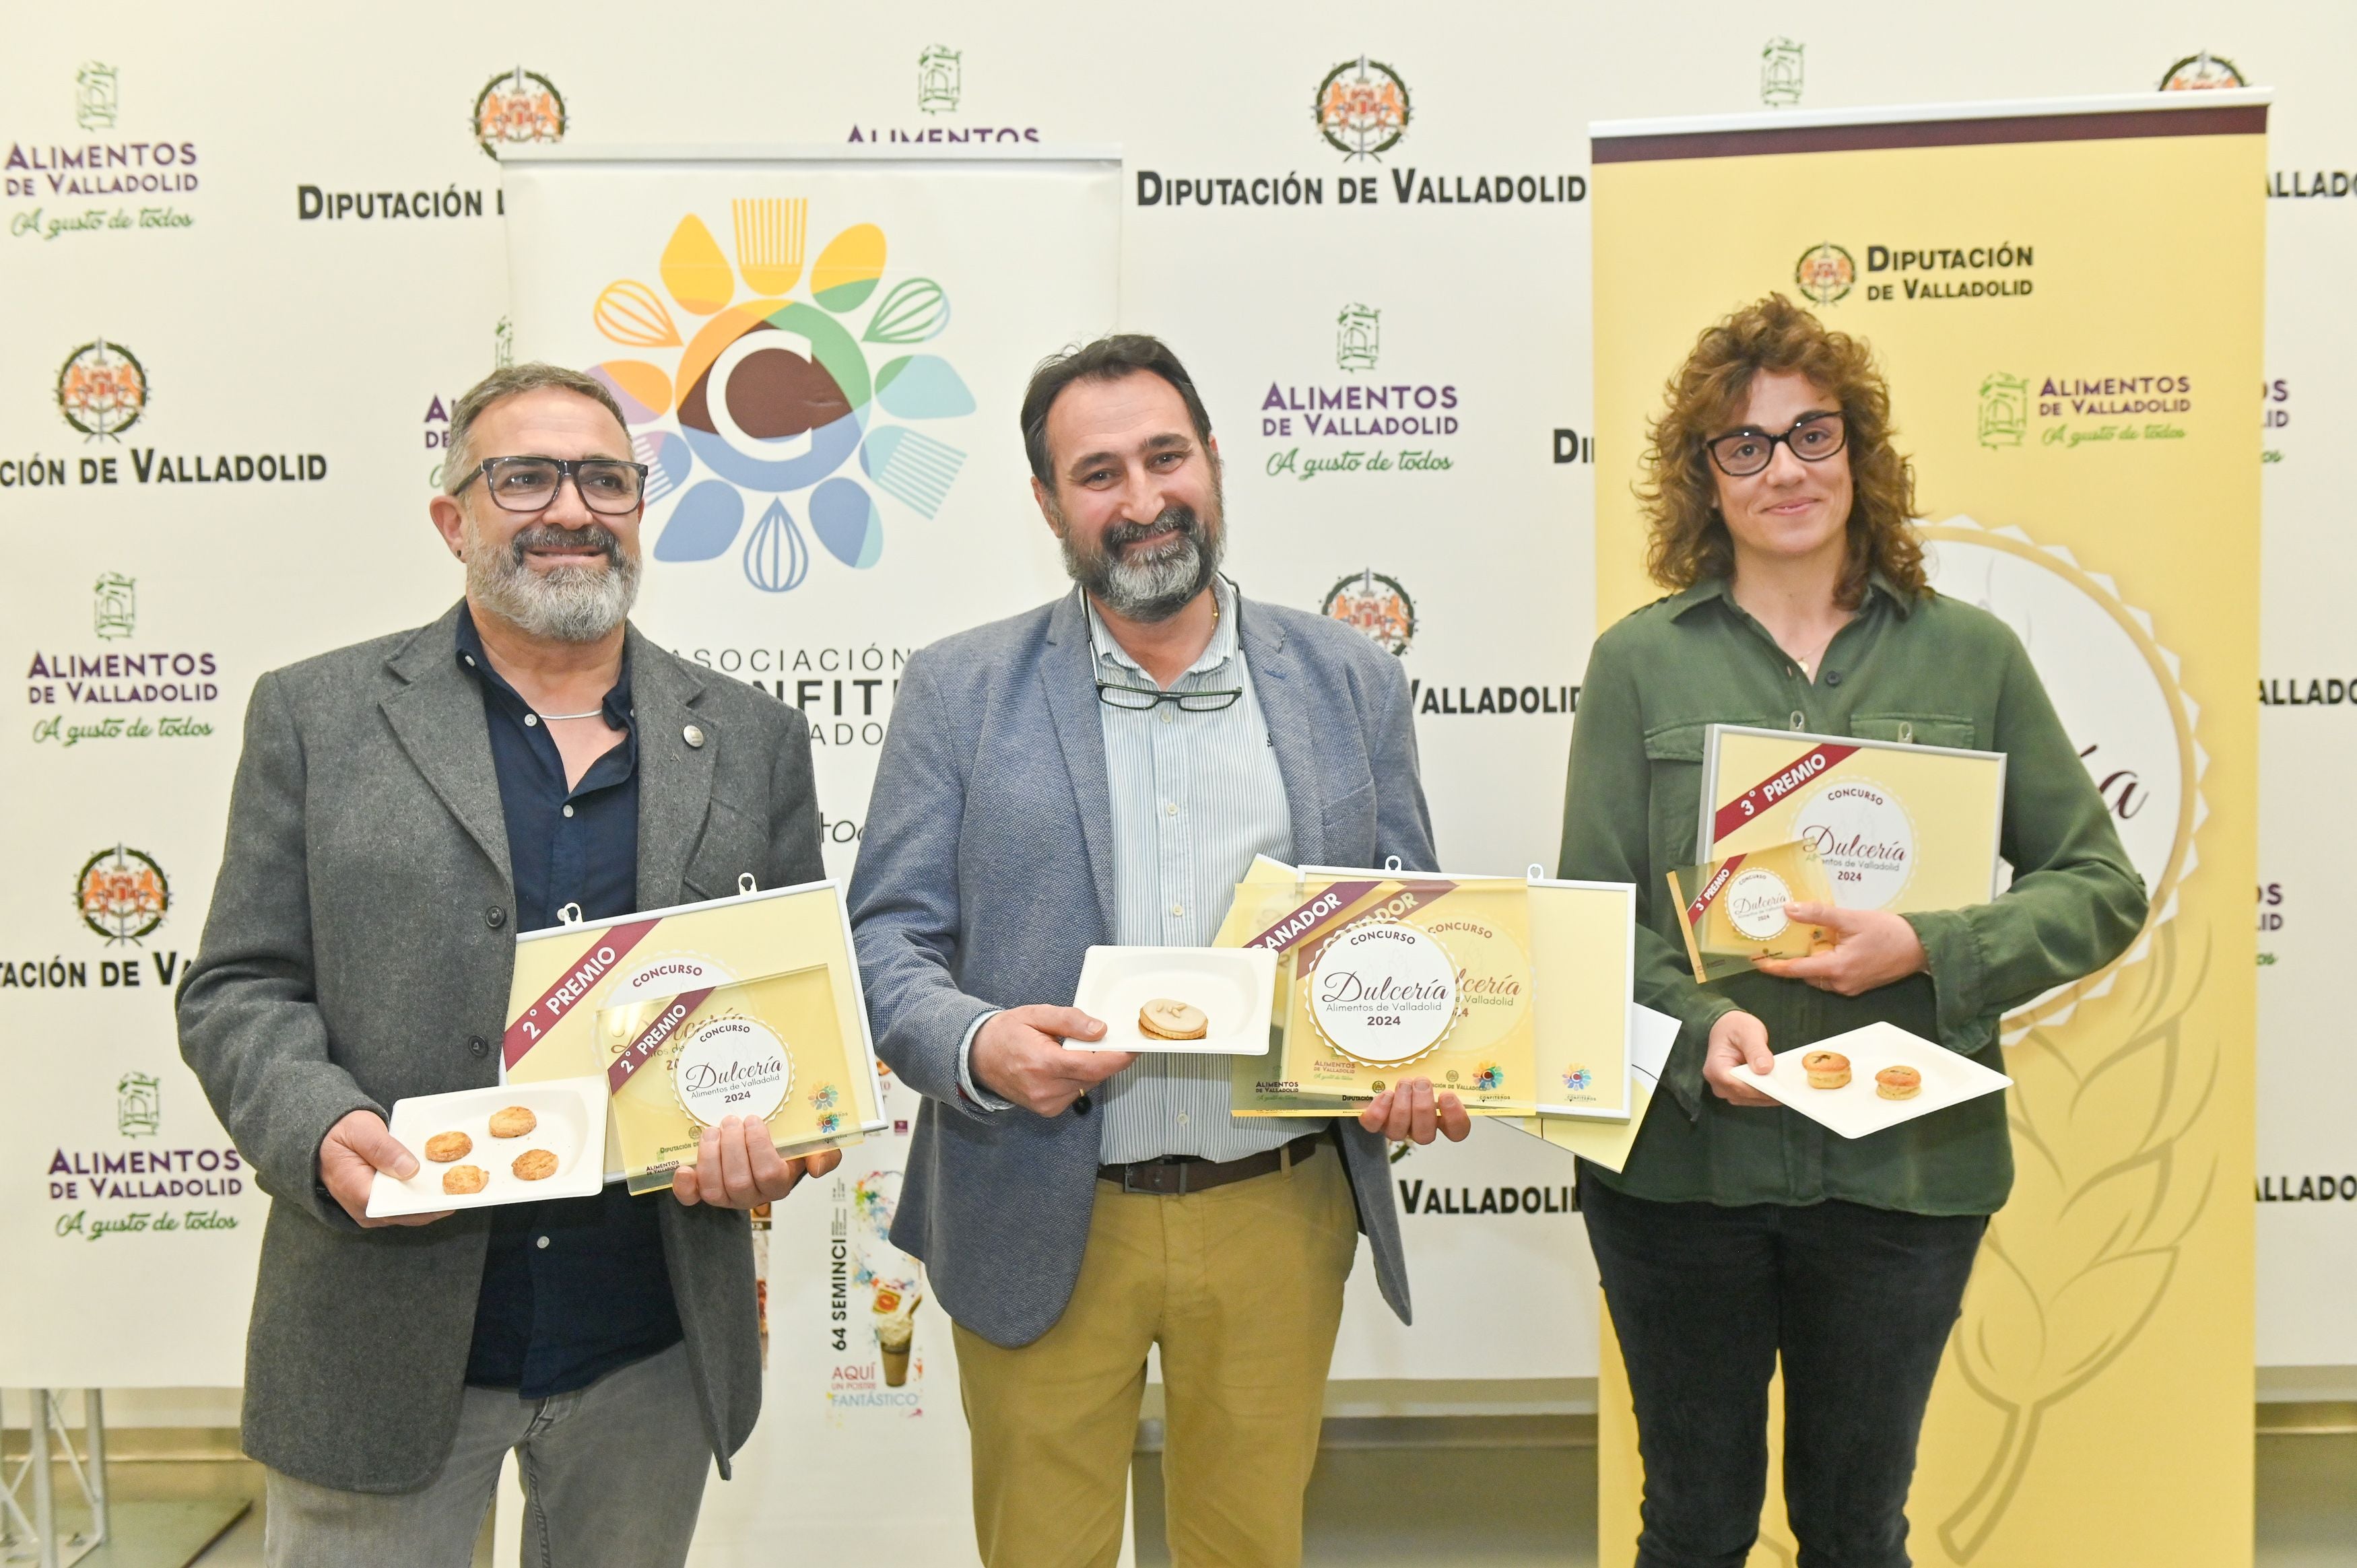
1242 1288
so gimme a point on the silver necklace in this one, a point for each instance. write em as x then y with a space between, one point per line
590 714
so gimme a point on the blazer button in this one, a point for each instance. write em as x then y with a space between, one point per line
1081 1106
478 1045
495 916
692 734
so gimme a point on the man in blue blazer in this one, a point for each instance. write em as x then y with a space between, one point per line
1102 769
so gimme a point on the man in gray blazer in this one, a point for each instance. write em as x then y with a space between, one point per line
402 809
1102 770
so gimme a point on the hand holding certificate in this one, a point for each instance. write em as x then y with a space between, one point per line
1897 828
1740 908
708 1022
1510 992
1864 949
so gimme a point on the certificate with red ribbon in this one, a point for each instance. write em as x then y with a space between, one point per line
1732 911
766 1049
1898 824
629 999
1510 992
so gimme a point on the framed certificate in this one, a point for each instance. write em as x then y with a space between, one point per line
735 1006
1511 993
1731 910
1898 826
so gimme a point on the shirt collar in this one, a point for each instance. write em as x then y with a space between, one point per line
1217 652
475 661
1723 589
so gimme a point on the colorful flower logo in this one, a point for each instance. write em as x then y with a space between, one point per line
1576 1079
774 396
824 1099
1491 1076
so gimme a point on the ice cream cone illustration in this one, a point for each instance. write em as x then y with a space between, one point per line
896 1333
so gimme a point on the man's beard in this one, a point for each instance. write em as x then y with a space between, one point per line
1160 583
563 604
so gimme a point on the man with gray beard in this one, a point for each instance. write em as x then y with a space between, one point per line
402 809
1104 769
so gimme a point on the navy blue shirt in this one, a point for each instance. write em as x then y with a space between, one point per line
574 1288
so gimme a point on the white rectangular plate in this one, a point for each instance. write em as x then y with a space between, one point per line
1233 986
572 1126
1854 1109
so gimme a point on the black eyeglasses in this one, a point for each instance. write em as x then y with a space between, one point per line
1813 439
607 485
1113 694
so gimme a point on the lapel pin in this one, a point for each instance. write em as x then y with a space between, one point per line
692 734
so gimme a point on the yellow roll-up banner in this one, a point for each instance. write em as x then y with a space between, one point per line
2066 298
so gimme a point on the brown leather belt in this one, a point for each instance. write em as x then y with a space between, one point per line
1174 1175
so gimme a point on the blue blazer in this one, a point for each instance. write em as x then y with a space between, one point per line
987 871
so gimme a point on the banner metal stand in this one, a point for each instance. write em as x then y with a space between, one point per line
35 1540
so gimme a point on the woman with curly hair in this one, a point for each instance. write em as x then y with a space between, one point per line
1742 1234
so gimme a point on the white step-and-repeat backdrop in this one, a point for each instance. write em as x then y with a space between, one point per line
250 261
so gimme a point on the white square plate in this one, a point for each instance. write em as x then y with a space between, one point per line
572 1117
1854 1109
1233 986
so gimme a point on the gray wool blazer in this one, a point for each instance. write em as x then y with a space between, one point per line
359 950
985 871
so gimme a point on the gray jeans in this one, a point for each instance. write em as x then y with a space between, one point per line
613 1476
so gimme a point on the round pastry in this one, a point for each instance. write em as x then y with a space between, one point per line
1164 1019
1827 1069
1897 1083
443 1147
513 1122
463 1179
534 1165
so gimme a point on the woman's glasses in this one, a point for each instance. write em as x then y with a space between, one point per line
1813 439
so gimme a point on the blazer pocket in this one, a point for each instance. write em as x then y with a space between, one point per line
733 844
1348 827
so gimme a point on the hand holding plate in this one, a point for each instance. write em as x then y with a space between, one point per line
1019 1055
1737 1038
357 1147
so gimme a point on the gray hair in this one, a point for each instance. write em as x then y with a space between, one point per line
507 382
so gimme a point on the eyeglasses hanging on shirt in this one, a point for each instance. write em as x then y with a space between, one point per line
1114 694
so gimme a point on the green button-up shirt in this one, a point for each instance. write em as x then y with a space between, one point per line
1933 671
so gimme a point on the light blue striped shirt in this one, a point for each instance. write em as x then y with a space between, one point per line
1195 796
